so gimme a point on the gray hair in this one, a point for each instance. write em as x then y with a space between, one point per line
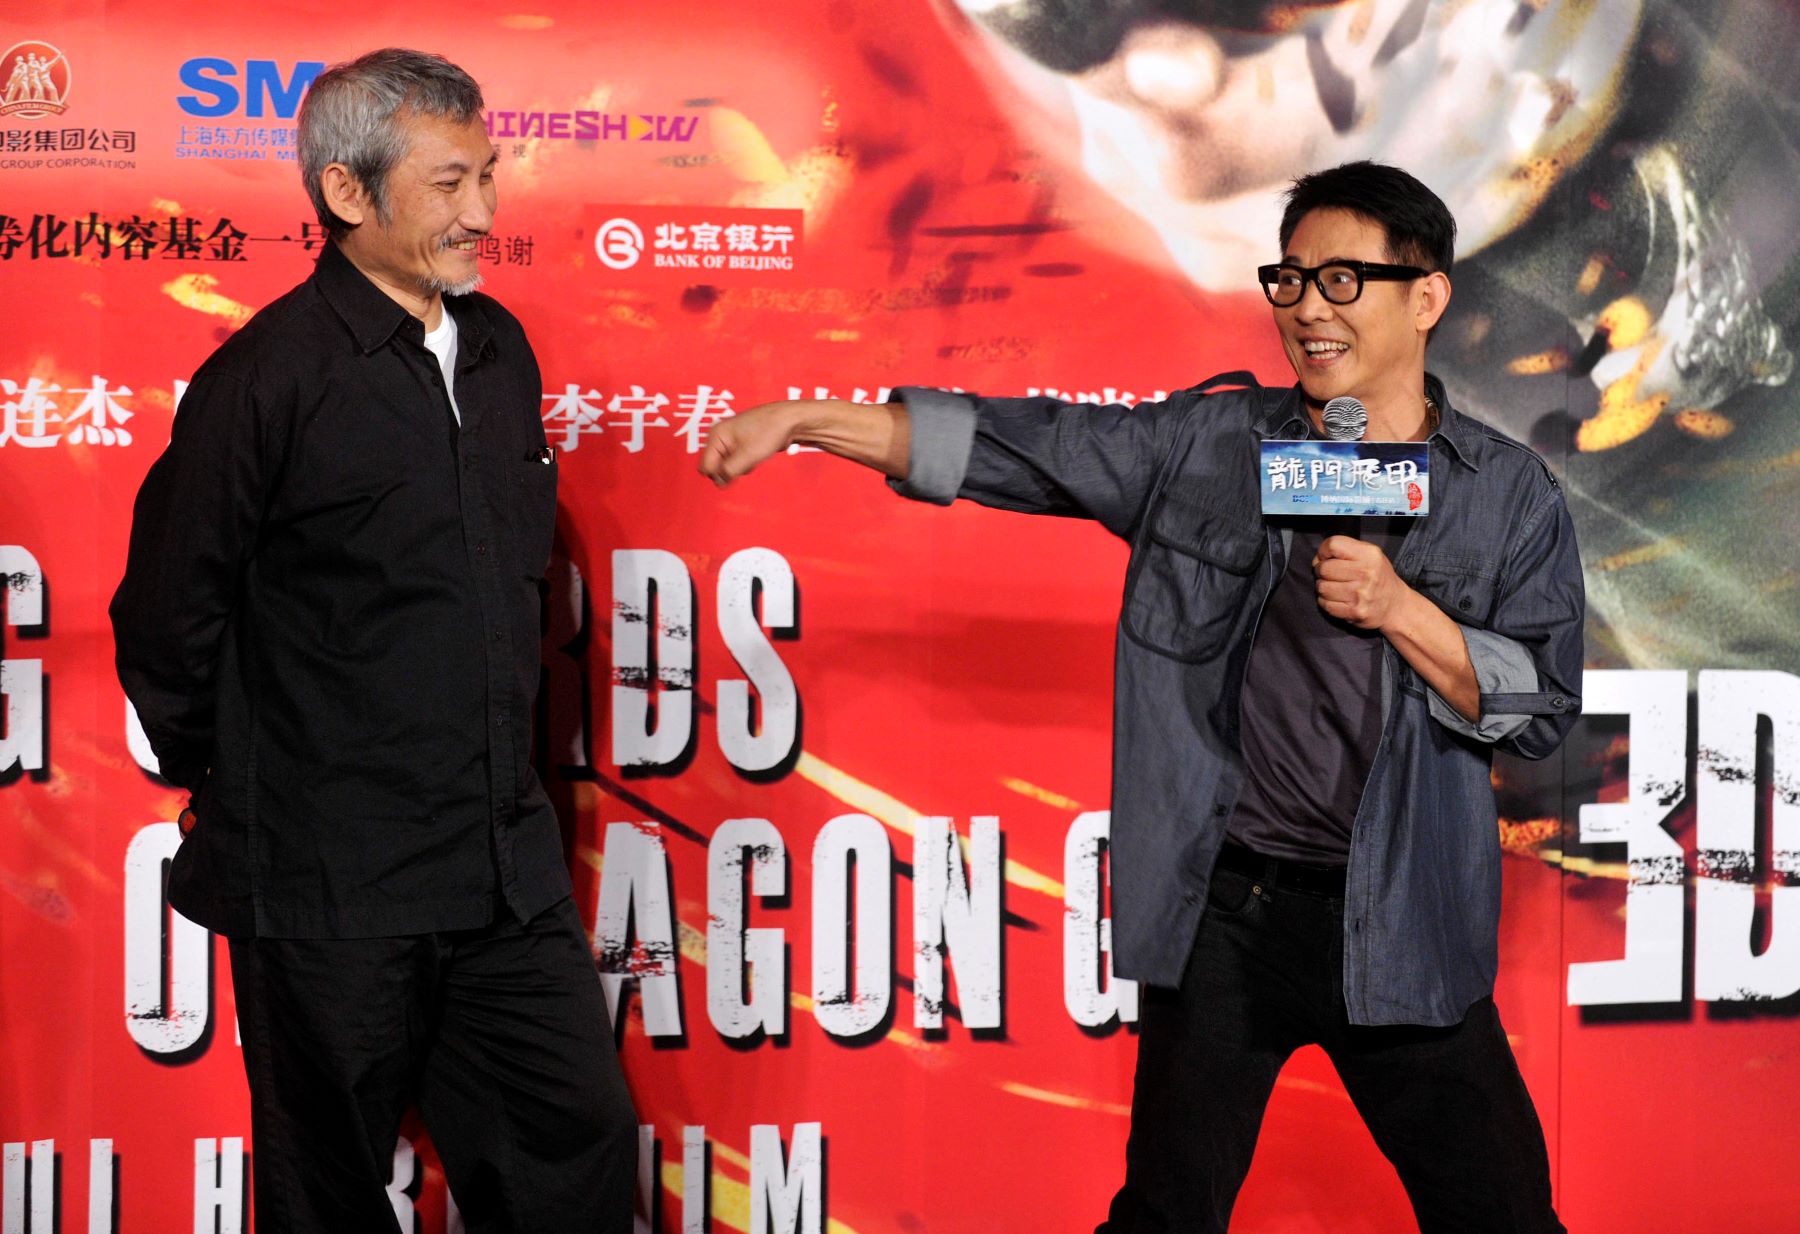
353 115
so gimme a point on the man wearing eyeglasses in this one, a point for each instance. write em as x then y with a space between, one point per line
1305 847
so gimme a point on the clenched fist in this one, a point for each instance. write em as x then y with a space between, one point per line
1356 582
738 443
876 435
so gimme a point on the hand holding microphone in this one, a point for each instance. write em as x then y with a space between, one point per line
1356 581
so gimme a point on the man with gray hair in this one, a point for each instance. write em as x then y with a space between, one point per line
329 627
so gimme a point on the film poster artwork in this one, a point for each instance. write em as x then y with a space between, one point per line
833 768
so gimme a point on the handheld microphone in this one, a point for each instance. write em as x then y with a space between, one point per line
1346 419
1345 475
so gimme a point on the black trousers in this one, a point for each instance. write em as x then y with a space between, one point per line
1446 1105
501 1037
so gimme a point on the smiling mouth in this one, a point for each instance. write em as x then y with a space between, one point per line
1321 349
463 246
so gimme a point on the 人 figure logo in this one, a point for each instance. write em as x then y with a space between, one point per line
37 81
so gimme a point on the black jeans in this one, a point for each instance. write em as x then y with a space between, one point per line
1446 1105
500 1035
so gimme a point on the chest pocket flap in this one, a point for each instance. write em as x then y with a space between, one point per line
1190 577
1462 586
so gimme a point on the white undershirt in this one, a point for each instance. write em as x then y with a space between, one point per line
442 342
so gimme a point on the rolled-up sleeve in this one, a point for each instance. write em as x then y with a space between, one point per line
1528 661
1508 680
1035 455
942 432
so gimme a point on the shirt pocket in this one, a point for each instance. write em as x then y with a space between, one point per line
1462 586
1190 579
533 482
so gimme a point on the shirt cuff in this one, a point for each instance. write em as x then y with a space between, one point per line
942 428
1506 676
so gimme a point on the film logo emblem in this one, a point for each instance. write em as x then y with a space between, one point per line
619 243
36 77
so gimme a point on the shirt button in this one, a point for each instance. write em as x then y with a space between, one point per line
481 548
1463 604
496 634
1219 809
1559 702
500 720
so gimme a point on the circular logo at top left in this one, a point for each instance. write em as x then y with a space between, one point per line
37 81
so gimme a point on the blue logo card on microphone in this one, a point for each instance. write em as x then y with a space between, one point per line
1340 478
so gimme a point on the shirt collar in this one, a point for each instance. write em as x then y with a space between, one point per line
473 330
373 316
1280 420
1455 429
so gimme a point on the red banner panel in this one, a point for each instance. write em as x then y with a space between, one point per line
765 710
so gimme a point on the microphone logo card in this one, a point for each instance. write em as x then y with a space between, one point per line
1339 478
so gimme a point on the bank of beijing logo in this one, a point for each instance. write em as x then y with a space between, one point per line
37 81
619 243
712 245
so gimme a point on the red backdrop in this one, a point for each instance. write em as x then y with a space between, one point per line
913 202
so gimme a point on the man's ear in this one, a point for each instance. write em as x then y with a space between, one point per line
344 194
1433 299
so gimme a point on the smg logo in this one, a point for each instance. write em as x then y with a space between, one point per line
221 88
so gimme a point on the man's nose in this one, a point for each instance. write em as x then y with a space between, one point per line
477 213
1312 305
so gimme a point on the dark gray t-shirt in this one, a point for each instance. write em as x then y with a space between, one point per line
1310 713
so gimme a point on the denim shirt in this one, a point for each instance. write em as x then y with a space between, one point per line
1178 480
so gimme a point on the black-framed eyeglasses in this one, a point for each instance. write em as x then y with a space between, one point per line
1340 282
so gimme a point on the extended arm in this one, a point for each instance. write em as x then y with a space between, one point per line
877 435
1032 455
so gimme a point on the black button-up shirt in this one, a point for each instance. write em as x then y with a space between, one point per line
329 621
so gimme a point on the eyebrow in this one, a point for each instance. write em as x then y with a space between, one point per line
1288 259
460 167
